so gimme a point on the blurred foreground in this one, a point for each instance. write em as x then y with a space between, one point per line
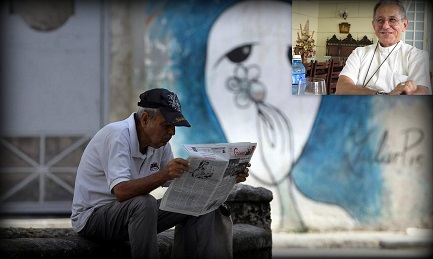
413 243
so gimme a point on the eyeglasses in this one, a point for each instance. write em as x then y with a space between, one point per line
391 21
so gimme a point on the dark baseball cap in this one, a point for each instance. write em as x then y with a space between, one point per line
167 102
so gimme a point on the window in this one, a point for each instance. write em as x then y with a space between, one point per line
418 26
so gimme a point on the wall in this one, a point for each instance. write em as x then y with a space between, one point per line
332 163
53 98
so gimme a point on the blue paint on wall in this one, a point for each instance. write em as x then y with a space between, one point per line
187 24
335 165
342 160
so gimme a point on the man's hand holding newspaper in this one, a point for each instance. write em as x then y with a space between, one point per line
213 172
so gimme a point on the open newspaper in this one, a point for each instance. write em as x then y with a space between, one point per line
212 175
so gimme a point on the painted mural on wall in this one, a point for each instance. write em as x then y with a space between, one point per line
337 162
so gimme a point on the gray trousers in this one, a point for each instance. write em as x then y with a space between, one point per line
139 220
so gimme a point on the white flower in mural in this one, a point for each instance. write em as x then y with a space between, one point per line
246 85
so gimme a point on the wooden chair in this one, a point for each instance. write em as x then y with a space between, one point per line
336 67
322 70
309 68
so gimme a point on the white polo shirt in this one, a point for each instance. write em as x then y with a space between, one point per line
404 63
112 156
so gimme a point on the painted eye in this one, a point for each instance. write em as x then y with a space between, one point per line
239 54
289 53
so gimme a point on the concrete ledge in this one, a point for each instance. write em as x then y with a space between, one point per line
252 235
251 205
249 241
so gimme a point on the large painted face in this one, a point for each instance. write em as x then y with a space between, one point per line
248 83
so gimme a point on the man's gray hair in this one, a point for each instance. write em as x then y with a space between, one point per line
386 2
153 112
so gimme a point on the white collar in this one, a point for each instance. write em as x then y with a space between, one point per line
386 50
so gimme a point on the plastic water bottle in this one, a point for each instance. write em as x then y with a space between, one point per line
298 72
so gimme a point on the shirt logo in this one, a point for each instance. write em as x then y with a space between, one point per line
154 166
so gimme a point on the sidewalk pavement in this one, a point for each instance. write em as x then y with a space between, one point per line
413 243
411 238
301 244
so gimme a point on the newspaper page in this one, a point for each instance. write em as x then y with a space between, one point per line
212 175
